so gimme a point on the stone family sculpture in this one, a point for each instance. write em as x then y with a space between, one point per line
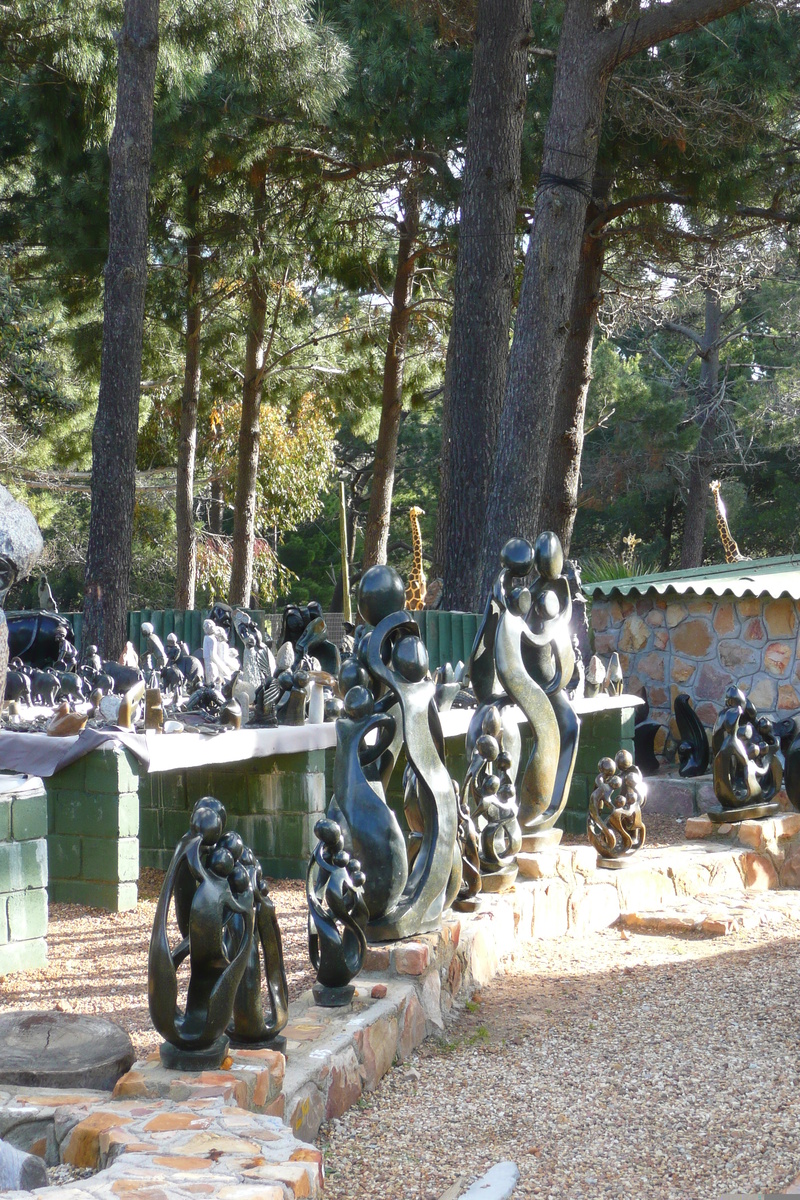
337 916
227 924
693 751
389 695
614 824
489 797
747 769
523 654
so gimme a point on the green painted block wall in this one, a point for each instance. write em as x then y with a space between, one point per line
93 831
23 882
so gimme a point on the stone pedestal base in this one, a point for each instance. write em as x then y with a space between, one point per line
548 839
332 997
750 812
175 1059
500 881
615 864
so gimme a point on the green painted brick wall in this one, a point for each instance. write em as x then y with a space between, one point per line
23 880
23 956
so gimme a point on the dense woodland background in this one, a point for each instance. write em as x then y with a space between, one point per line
310 184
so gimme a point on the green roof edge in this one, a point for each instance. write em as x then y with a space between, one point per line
699 580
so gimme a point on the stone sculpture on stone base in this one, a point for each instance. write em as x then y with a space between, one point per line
224 915
614 824
747 769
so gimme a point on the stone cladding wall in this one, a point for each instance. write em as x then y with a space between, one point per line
701 645
23 880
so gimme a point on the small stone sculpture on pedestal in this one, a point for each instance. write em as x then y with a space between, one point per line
489 791
223 912
614 825
337 917
747 770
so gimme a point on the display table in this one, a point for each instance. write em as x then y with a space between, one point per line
117 801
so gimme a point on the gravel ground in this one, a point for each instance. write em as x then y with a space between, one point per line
619 1065
662 830
97 960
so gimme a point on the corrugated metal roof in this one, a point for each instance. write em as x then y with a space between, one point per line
773 577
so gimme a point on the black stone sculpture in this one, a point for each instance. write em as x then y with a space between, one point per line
387 689
491 797
790 744
551 664
337 917
747 770
693 752
512 601
224 914
614 823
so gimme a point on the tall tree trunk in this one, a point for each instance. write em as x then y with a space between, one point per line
116 426
562 472
701 470
669 526
548 286
190 398
477 355
589 51
244 505
376 533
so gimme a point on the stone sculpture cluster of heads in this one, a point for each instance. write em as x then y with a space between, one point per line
747 767
614 824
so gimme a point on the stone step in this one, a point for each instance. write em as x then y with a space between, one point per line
716 914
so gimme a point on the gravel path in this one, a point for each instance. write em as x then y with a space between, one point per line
97 960
620 1066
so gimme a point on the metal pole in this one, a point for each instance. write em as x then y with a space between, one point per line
346 611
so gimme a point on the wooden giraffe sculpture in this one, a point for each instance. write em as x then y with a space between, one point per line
417 584
732 552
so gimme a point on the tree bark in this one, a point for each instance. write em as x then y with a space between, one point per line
669 526
190 398
376 533
216 507
244 505
587 57
548 286
701 470
477 354
116 426
562 472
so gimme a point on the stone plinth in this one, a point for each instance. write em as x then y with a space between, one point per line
23 874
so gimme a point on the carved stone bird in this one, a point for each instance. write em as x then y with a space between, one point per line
47 601
64 722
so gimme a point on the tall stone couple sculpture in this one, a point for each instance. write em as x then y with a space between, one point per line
524 656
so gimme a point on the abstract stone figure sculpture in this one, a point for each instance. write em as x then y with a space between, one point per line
614 824
223 913
693 752
396 657
747 770
551 662
490 794
337 916
512 638
371 828
791 770
386 689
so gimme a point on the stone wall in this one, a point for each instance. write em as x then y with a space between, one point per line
23 880
701 645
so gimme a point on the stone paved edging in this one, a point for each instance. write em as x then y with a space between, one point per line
242 1133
